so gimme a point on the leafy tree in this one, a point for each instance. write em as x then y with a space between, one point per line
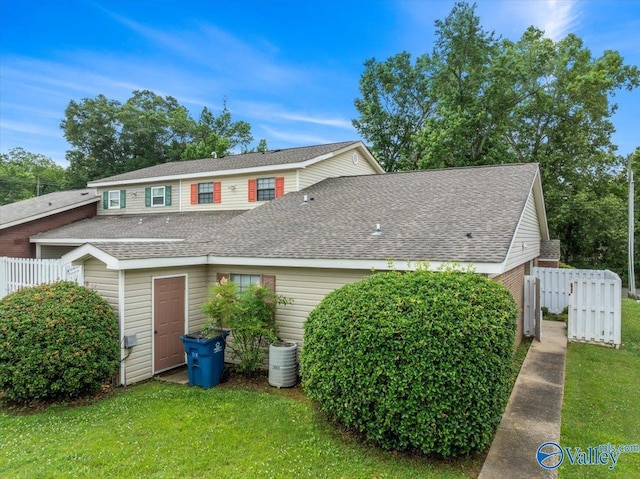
24 175
93 128
108 137
492 100
217 135
395 104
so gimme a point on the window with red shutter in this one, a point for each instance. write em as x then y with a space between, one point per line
279 186
194 193
217 192
252 190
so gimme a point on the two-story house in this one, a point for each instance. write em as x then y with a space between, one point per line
305 221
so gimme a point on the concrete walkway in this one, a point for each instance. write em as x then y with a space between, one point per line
532 416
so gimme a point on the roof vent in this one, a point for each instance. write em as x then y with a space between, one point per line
378 231
140 221
305 200
214 155
469 235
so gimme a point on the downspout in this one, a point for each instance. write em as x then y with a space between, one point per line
121 303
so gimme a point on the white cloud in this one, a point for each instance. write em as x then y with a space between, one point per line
28 128
556 17
297 138
276 113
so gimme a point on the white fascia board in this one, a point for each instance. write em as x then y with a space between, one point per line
357 264
147 263
87 250
62 209
363 149
540 206
78 242
524 209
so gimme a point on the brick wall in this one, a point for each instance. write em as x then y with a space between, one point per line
513 280
14 241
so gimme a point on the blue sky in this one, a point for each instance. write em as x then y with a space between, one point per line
290 68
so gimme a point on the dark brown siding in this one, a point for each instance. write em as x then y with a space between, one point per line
513 280
549 264
14 241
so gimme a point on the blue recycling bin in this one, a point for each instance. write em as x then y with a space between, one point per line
205 358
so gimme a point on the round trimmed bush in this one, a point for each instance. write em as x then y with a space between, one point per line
57 341
417 360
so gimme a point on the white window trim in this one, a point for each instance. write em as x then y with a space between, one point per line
156 196
258 189
109 200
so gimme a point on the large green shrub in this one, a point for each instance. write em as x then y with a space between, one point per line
417 360
57 341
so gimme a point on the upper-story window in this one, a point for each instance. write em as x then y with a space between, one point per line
266 189
157 196
205 193
114 200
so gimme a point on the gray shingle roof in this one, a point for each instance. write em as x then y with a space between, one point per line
248 160
550 249
27 210
193 227
129 251
423 215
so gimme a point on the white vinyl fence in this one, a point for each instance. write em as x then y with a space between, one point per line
595 311
17 273
593 298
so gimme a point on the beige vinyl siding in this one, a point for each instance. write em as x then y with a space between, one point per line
234 191
135 200
138 312
340 165
54 252
526 245
306 286
102 280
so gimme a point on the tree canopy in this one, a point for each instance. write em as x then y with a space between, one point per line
480 99
108 137
24 175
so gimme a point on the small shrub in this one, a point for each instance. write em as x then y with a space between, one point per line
57 341
417 360
249 315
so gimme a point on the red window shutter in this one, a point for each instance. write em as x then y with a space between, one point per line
269 280
279 186
221 276
194 193
252 189
217 192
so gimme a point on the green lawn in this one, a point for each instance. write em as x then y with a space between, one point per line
166 430
602 399
236 430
